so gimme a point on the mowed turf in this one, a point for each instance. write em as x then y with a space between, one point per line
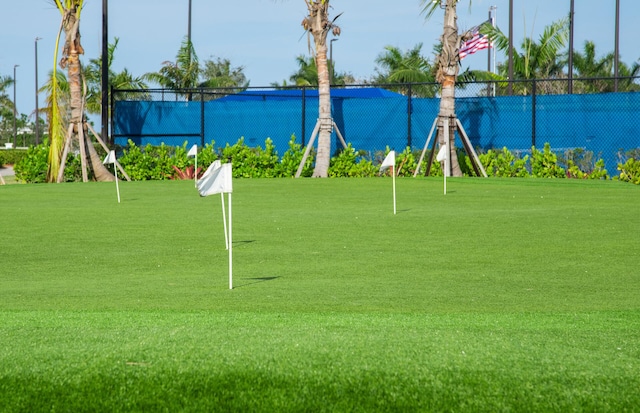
503 295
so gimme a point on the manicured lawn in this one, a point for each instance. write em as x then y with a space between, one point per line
503 295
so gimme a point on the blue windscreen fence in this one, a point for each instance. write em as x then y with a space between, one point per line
371 119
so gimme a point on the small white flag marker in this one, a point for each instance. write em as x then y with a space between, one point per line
194 152
111 159
218 179
390 162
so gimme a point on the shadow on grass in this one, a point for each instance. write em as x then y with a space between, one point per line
256 280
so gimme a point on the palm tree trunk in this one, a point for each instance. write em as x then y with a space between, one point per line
71 59
323 156
448 65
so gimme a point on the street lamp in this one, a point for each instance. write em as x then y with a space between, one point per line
333 69
189 24
15 114
510 68
571 26
104 73
617 47
37 116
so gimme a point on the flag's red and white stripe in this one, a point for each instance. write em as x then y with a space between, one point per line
478 42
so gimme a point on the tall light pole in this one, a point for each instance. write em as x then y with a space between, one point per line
617 47
333 68
510 84
104 78
189 24
571 25
15 112
37 122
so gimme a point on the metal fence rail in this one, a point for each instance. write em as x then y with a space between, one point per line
593 120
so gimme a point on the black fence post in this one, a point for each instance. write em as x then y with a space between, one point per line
304 109
409 116
201 118
110 139
533 113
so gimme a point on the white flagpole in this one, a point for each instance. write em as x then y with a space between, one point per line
393 172
115 172
224 222
230 248
447 166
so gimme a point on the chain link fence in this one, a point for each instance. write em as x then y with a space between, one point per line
600 119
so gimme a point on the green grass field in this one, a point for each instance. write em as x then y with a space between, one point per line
504 295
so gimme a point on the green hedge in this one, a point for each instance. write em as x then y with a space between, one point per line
168 162
11 156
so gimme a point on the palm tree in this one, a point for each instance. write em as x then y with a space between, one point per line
6 104
307 74
93 75
447 68
71 10
318 25
182 74
601 69
394 66
220 74
535 60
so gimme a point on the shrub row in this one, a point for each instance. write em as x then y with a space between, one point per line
168 162
11 156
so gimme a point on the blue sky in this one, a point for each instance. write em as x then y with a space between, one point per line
265 36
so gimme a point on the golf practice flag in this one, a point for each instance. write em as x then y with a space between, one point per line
390 162
111 159
443 155
194 152
217 179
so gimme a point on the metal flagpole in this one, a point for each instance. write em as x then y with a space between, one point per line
224 222
230 248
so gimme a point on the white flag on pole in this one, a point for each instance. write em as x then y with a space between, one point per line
215 165
389 161
442 153
194 152
110 158
216 181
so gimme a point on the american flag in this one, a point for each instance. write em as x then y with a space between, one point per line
478 42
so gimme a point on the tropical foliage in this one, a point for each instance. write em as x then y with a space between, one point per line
541 59
395 66
307 74
587 65
186 73
93 78
6 109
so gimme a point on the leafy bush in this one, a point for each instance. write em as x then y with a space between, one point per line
347 164
580 164
291 161
545 164
150 163
138 164
32 167
12 156
1 159
406 162
207 155
630 171
258 162
504 164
